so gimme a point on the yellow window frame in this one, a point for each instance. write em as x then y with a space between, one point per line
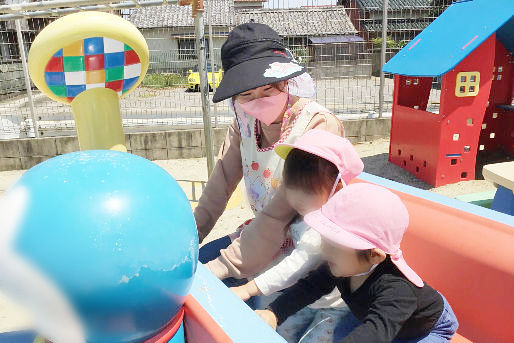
467 84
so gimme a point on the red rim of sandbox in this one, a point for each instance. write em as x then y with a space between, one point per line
170 330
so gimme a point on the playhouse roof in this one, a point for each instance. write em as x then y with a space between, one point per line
453 35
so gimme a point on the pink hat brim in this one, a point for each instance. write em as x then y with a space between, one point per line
284 149
332 232
410 274
330 147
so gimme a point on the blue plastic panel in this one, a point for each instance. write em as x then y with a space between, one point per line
238 321
441 199
453 35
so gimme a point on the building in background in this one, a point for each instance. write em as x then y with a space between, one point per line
332 41
317 37
249 4
170 33
11 69
305 30
406 18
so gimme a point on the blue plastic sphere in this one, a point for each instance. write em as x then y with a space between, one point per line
115 234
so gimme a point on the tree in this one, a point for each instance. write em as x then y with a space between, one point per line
439 6
345 3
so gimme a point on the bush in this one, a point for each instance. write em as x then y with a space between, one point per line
301 54
164 80
390 43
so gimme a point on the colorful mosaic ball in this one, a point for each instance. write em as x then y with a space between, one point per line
101 246
96 62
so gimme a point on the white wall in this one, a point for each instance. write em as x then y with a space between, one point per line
164 52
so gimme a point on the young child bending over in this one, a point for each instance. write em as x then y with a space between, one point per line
362 227
315 167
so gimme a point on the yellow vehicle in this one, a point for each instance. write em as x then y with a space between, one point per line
193 78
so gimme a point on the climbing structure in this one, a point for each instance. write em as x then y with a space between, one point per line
470 47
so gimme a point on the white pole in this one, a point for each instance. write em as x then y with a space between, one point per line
40 5
382 59
204 88
18 13
211 52
27 78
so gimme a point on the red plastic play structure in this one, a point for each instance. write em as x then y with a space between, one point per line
468 45
199 326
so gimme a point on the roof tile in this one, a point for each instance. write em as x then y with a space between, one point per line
301 21
181 16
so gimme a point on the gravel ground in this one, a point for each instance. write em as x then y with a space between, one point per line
374 155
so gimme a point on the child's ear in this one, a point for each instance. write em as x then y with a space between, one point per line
377 256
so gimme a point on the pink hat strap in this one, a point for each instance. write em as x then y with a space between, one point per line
339 178
399 261
397 255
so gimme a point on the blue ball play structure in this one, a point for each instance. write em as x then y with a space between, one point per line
115 234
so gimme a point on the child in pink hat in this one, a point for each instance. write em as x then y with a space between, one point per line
315 166
362 227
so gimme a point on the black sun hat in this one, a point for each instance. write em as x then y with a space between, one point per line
254 56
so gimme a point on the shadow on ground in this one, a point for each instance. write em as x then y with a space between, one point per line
380 166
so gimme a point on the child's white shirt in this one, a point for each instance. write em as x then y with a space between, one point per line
305 257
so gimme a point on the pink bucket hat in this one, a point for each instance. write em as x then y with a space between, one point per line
329 146
365 216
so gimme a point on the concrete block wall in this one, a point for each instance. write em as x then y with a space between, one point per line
175 144
19 154
366 130
11 77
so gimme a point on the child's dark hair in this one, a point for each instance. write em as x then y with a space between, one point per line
308 172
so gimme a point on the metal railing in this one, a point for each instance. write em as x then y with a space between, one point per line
340 45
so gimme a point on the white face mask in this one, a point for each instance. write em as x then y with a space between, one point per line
368 272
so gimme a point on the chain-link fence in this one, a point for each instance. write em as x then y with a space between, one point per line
339 41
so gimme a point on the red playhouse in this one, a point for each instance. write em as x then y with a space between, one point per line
470 47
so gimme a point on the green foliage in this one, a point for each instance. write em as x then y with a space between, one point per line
438 7
301 54
390 43
164 80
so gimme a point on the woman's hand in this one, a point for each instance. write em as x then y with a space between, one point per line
246 291
269 317
218 269
241 292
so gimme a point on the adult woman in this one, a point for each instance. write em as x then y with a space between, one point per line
258 73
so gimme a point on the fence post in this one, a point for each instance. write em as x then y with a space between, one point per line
211 52
27 77
382 59
204 86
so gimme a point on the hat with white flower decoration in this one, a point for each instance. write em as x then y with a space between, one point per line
254 56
